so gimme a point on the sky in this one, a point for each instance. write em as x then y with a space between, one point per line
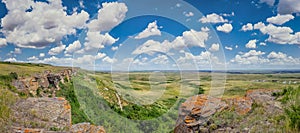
152 35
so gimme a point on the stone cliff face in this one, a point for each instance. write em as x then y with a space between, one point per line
40 115
45 113
47 81
195 112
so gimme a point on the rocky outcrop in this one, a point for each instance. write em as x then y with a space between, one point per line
87 128
241 105
47 115
47 81
195 112
42 113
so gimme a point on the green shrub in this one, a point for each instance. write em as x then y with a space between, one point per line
293 114
201 90
67 91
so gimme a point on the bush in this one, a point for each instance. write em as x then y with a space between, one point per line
13 75
201 90
291 98
293 114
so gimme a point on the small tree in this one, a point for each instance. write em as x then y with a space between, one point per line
13 75
201 90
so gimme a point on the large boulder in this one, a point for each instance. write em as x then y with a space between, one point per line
42 114
196 111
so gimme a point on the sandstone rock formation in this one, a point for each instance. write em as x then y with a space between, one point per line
87 128
47 115
195 112
42 113
47 81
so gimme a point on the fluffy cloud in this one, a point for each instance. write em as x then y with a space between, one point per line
33 58
188 39
11 60
45 24
251 44
17 51
259 25
204 60
213 18
288 6
42 55
280 19
253 53
251 57
3 42
279 35
225 28
151 30
188 14
274 55
160 60
76 45
95 40
114 48
151 47
247 27
57 50
279 58
214 47
100 56
228 48
109 16
109 60
263 44
272 59
193 38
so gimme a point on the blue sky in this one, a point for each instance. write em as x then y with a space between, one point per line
152 35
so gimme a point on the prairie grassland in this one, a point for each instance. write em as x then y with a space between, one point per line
187 84
27 69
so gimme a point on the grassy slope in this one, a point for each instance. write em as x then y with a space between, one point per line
9 94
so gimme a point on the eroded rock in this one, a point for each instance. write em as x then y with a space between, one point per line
42 114
86 128
196 110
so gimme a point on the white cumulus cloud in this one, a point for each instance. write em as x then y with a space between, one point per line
213 18
42 55
228 48
288 6
46 23
114 48
57 50
188 14
247 27
151 30
280 19
214 47
109 16
76 45
225 28
251 44
3 42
